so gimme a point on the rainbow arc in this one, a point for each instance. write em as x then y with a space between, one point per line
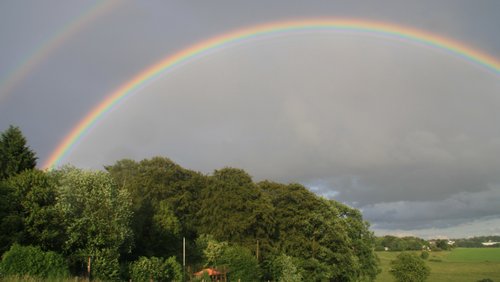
151 73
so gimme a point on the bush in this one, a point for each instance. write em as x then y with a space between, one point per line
158 269
32 261
242 264
424 255
285 269
408 267
105 265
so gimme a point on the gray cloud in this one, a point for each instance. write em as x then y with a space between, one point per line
383 125
376 130
458 209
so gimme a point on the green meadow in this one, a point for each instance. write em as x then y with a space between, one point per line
461 264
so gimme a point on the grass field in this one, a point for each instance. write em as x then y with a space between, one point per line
461 264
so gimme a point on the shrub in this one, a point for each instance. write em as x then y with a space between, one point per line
285 269
409 267
242 264
424 255
32 261
157 269
105 265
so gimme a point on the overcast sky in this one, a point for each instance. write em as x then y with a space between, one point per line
409 135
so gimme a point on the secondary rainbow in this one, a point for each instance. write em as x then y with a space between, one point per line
151 73
43 51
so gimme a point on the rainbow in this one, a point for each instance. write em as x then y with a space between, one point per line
153 72
41 52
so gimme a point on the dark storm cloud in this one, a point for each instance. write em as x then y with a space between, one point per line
408 135
379 131
457 209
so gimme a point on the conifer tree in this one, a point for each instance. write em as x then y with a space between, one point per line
15 155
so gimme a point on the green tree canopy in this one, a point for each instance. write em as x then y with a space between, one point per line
331 239
35 197
96 218
156 269
408 267
29 260
241 262
233 209
11 221
286 269
163 196
15 155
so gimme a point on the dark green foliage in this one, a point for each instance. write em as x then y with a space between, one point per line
28 260
476 242
233 209
443 245
105 265
286 269
362 242
424 255
96 219
11 221
155 269
296 234
161 191
485 280
15 155
35 198
408 267
394 243
331 239
315 270
241 262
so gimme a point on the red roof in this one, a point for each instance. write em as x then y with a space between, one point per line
210 271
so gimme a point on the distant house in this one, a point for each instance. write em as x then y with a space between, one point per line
489 243
215 275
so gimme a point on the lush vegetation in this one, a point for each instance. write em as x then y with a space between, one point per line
393 243
446 266
476 242
32 261
129 221
408 267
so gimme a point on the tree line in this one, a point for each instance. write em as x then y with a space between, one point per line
477 242
128 221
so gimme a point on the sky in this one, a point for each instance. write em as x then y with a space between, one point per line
408 134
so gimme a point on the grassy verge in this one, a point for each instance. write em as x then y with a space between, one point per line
458 265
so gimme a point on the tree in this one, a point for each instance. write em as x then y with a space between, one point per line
15 155
233 209
155 269
408 267
11 221
319 233
35 200
442 245
164 195
362 240
242 263
29 260
96 218
285 269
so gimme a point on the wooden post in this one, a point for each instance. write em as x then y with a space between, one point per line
183 258
88 268
257 251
